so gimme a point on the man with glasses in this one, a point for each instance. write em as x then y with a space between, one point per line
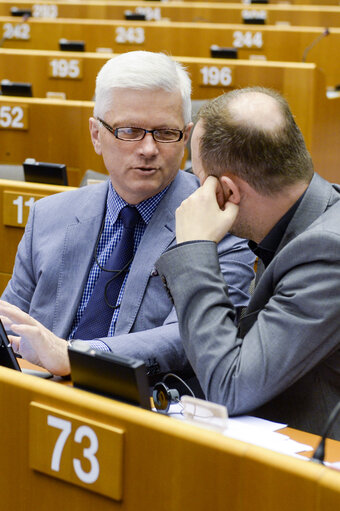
85 268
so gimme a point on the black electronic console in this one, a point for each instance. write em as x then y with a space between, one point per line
16 11
43 172
102 372
67 45
219 52
23 89
137 16
8 358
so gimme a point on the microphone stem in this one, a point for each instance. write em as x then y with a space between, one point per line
313 43
319 454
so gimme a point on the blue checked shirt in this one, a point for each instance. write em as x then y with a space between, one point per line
111 235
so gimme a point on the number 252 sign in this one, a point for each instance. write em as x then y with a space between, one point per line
77 450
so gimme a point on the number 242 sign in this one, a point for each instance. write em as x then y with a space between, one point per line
80 451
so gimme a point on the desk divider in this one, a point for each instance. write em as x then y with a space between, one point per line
166 464
180 38
304 15
16 198
57 130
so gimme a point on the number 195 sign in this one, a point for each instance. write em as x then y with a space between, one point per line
80 451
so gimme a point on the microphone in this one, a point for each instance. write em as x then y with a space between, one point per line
319 453
313 43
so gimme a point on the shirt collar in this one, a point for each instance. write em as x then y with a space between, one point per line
266 249
146 208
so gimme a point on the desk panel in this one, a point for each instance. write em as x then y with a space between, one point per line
167 464
54 131
315 15
180 38
302 84
281 2
15 201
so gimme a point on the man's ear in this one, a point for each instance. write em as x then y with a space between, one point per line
94 132
187 131
230 190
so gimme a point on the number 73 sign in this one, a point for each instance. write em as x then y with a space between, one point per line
77 450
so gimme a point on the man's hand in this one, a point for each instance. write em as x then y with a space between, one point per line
33 341
202 216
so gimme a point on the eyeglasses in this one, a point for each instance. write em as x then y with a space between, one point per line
164 136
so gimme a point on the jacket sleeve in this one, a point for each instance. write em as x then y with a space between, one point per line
294 330
163 345
20 288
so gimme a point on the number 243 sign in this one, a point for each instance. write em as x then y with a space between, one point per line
80 451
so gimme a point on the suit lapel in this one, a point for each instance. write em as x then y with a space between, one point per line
159 235
314 203
78 247
317 198
155 241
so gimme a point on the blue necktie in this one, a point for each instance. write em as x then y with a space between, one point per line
96 319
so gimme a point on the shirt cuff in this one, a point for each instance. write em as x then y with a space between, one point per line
96 344
188 243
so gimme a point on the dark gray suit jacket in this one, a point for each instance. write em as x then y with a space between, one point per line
56 253
283 362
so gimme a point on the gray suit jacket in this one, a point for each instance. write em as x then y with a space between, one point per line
56 253
283 362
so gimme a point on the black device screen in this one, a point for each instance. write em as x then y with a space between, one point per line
7 356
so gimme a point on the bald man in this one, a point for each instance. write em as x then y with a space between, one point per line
282 361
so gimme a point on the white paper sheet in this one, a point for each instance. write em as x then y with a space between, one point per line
253 430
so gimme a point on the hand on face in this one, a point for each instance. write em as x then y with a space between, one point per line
33 341
208 213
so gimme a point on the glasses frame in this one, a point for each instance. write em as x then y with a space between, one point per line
114 132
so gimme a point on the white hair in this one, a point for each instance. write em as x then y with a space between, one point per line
141 70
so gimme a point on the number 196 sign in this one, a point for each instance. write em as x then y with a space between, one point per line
79 451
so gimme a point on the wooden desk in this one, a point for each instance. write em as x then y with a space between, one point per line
303 15
157 463
48 130
278 43
303 85
281 2
16 198
332 446
71 74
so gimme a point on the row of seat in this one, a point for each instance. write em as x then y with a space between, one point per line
280 43
70 75
51 129
304 15
294 2
56 130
